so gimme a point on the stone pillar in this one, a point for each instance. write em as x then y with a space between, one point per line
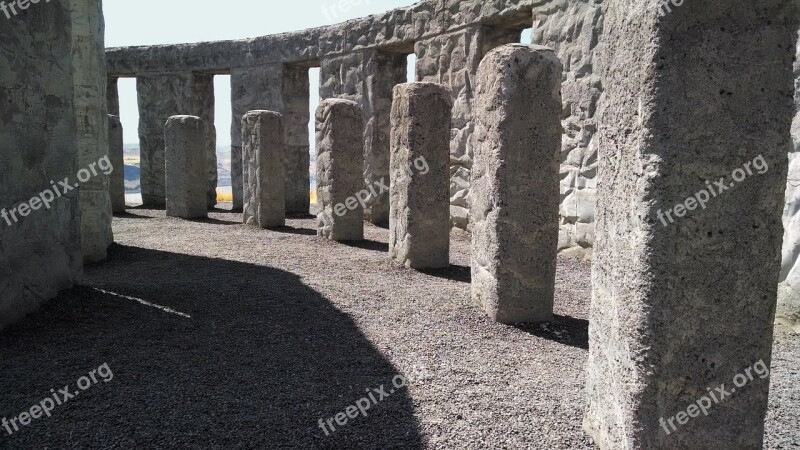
789 290
685 280
515 176
112 95
40 231
367 78
340 156
91 125
186 184
452 60
282 88
264 169
117 158
161 96
419 222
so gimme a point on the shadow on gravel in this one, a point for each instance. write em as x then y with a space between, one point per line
292 230
461 274
262 359
127 215
563 329
368 245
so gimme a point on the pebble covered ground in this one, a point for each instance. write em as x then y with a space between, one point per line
252 338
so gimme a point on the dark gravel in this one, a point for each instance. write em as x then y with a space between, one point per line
287 329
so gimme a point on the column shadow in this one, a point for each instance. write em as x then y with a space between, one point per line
261 359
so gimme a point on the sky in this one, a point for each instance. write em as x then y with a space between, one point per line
150 22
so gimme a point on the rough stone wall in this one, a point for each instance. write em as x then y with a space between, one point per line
573 30
284 89
112 95
367 78
91 123
40 254
789 291
161 97
452 60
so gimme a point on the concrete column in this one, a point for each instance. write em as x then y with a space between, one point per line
515 183
117 158
452 60
340 157
284 89
161 96
186 183
367 78
41 241
91 124
789 290
685 272
419 223
112 95
264 171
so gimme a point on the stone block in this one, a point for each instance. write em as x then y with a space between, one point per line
264 172
185 167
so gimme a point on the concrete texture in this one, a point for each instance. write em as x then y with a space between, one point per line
116 180
284 89
515 175
419 223
40 250
340 156
91 125
367 78
689 96
161 97
186 187
264 175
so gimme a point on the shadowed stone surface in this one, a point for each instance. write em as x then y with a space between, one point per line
514 213
680 307
419 223
116 179
185 167
40 251
91 126
264 172
340 156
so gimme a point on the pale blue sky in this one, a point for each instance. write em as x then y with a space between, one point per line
149 22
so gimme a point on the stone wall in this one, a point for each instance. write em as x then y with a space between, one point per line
40 253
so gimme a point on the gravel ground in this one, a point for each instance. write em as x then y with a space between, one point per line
267 332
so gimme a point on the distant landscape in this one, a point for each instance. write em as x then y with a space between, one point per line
133 187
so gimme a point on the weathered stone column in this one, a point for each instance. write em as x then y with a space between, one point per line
91 125
162 96
789 289
452 60
112 95
515 176
685 280
367 78
282 88
419 222
186 183
340 157
40 229
117 176
264 171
